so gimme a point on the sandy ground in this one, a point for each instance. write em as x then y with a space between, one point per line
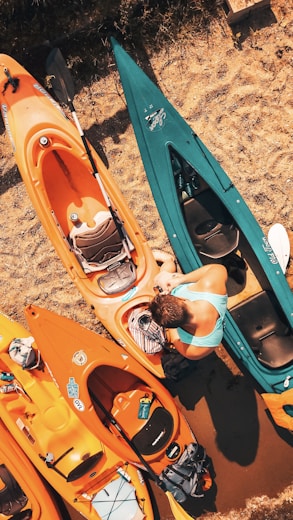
235 91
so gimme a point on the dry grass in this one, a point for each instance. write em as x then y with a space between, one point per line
83 30
261 508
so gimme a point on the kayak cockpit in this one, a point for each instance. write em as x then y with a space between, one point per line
210 226
12 498
85 220
261 322
133 406
212 229
100 247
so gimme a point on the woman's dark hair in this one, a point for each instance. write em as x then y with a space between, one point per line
168 311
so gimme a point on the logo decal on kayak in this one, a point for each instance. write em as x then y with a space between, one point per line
79 405
72 388
156 120
269 251
79 358
41 89
4 111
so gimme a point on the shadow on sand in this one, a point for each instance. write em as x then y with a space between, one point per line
231 403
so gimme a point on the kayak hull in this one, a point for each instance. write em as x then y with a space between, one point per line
69 200
73 461
207 221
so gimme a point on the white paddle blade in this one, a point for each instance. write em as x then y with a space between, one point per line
280 244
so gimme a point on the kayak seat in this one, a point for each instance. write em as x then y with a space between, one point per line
156 433
144 420
276 351
265 330
210 226
99 246
12 498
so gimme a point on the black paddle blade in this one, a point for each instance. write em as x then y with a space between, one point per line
59 76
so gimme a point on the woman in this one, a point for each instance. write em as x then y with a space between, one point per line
192 306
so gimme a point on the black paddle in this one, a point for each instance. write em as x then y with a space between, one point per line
113 421
62 84
177 510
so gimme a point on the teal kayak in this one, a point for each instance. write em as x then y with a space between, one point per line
207 221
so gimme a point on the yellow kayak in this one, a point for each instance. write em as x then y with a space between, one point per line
97 482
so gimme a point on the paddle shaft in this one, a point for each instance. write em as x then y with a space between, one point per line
89 154
98 178
64 89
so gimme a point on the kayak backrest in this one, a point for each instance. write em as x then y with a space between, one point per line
156 433
143 418
211 228
99 246
210 225
12 498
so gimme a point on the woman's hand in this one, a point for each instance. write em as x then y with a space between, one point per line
165 281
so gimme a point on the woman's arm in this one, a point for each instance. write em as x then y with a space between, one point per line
214 275
188 351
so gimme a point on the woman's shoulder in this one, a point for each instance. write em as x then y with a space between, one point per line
214 281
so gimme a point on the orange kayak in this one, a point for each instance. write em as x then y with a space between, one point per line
115 397
104 385
87 474
22 490
113 275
